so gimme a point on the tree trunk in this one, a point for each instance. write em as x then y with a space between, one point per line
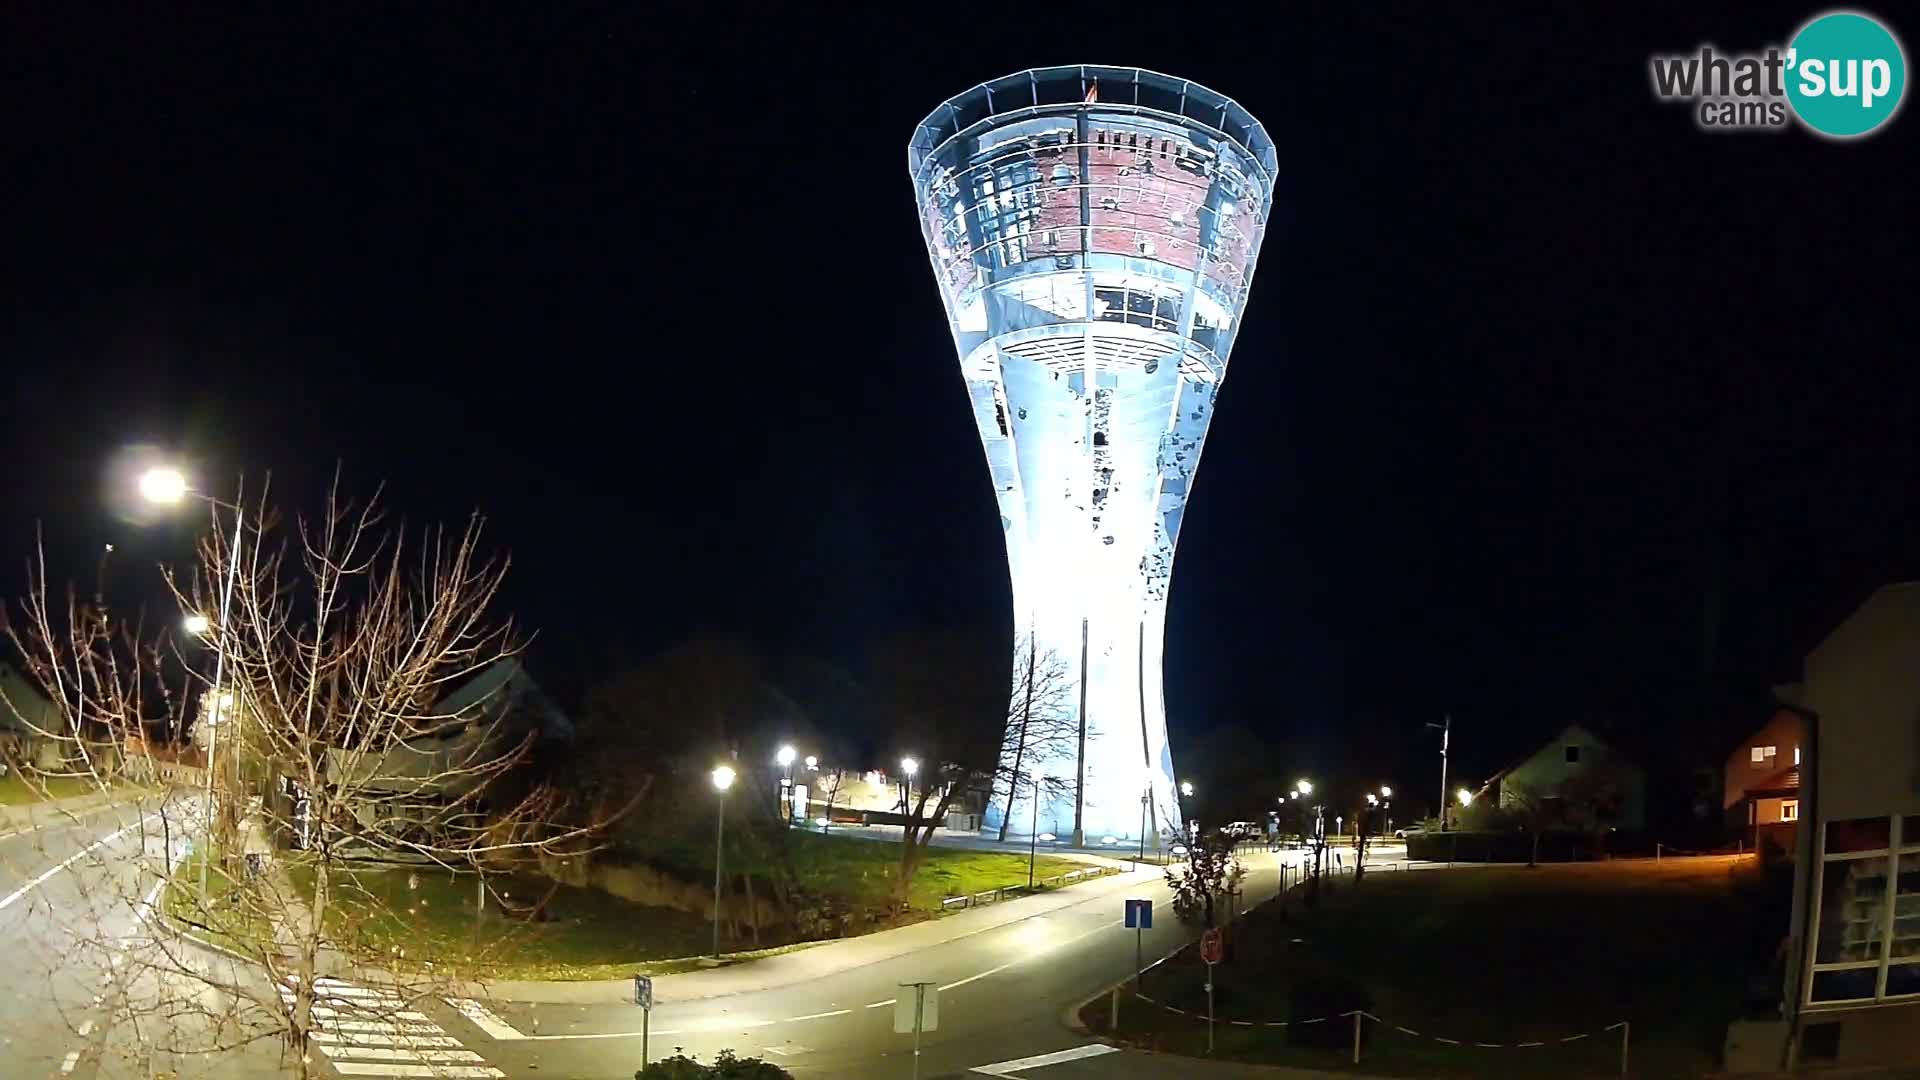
1533 857
753 921
1020 749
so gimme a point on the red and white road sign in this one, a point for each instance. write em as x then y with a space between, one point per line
1210 945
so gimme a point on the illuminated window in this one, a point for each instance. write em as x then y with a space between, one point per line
1796 755
1789 809
1763 756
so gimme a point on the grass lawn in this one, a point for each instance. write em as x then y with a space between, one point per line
427 915
858 870
1498 955
17 790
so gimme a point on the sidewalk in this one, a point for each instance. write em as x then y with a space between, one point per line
822 960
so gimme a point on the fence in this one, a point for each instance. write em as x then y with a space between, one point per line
1359 1017
994 896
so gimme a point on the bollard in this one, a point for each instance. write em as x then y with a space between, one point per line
1625 1029
1113 1017
1357 1016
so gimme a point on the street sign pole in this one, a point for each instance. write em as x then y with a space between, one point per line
1140 918
643 997
1211 953
917 1012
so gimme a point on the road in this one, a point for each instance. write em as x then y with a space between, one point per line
1003 996
83 986
87 974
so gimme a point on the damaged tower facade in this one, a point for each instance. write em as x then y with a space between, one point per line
1093 231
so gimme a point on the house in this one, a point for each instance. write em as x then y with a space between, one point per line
31 727
1761 781
411 786
1596 785
1852 987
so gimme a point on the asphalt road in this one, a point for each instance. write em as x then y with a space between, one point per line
85 974
1003 996
81 991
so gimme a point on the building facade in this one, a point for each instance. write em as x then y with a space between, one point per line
1093 231
1853 981
1761 777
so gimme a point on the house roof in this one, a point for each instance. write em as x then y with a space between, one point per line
22 705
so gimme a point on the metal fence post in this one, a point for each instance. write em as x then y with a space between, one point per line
1113 1018
1357 1017
1626 1028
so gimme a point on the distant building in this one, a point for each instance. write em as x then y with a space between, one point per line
1853 969
1598 786
31 727
1761 781
410 786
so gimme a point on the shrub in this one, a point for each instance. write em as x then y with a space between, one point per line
725 1067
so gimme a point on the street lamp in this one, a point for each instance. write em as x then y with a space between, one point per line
908 766
1386 798
785 760
813 763
1033 839
197 625
1186 788
167 486
1303 788
722 780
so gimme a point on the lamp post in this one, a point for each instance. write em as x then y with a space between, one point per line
1446 737
167 486
785 759
1386 802
1033 838
908 767
722 780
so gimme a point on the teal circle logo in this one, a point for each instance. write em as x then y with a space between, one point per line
1845 74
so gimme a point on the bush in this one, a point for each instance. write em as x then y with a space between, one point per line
725 1067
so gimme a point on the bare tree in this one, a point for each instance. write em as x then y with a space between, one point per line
370 712
1213 871
1040 727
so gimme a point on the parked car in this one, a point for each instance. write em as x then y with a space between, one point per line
1410 830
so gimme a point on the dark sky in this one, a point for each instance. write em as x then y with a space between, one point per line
1527 354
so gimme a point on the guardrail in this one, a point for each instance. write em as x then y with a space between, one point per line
994 896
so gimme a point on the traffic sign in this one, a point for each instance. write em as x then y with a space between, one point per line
643 991
1139 914
918 1009
1210 945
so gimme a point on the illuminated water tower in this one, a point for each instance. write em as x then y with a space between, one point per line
1094 231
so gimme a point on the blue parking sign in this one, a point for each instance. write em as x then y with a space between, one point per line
1139 914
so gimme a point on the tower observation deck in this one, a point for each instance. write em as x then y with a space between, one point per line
1093 231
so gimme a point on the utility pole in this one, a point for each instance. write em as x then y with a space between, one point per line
1446 735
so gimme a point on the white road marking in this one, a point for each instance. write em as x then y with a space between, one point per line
883 1004
477 1072
371 1038
821 1016
1008 1068
11 898
368 1053
67 1063
86 1028
485 1019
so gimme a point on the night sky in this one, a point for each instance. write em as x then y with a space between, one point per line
1532 373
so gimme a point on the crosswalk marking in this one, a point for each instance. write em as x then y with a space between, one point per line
1059 1057
366 1032
485 1019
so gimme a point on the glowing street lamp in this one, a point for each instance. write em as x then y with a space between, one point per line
1186 788
785 757
165 485
1304 788
1386 792
813 763
722 777
1465 797
197 625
